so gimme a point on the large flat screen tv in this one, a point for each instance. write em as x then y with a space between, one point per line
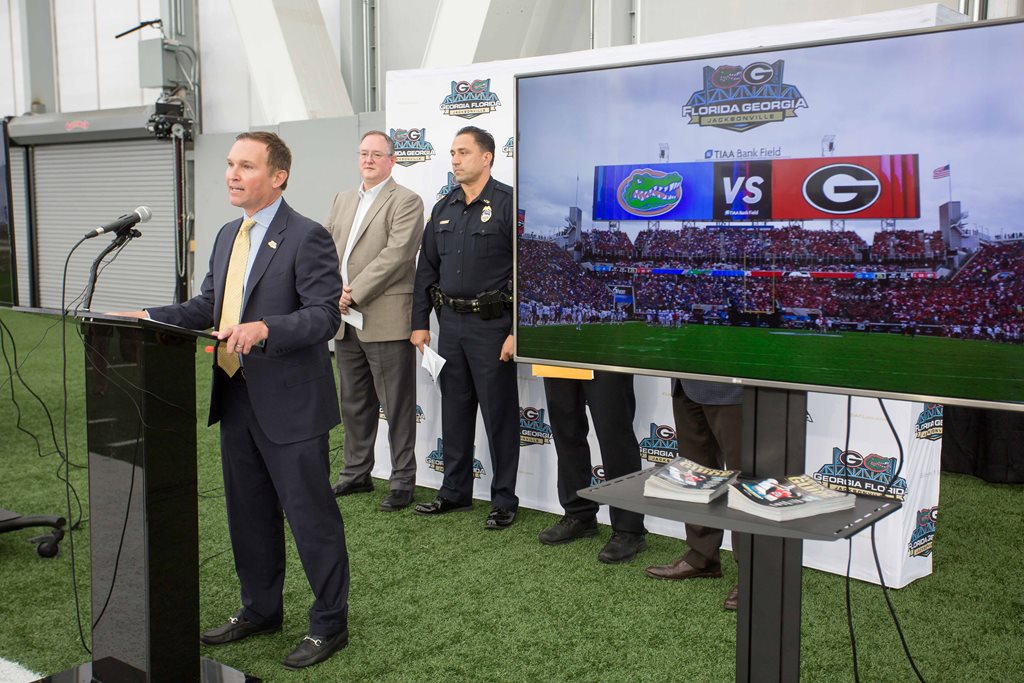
839 217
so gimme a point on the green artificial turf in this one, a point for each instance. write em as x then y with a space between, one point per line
445 600
920 366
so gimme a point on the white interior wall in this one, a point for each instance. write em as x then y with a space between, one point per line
95 71
10 67
671 19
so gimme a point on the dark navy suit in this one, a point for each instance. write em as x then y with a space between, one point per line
275 422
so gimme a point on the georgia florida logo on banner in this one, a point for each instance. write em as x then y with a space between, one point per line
411 146
661 446
435 461
533 431
923 536
469 99
929 422
872 474
741 98
447 187
382 416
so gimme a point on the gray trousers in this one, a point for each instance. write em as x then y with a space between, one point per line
371 376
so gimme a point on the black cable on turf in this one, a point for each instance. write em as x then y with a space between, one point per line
849 610
874 549
14 371
849 549
212 557
892 610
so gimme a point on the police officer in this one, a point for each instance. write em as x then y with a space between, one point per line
465 274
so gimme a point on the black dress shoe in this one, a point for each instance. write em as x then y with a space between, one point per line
236 628
622 547
500 518
396 500
440 506
345 488
315 649
568 529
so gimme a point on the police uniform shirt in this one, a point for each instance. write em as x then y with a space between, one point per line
467 248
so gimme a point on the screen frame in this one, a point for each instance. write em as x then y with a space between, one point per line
736 380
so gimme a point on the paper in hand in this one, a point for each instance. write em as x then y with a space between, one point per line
353 318
432 362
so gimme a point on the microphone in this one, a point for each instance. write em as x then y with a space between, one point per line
139 215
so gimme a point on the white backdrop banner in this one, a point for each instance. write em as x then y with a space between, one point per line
425 109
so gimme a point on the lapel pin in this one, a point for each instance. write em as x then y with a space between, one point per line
272 244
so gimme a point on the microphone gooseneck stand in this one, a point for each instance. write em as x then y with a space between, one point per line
121 238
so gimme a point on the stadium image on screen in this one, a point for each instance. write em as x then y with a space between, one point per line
845 216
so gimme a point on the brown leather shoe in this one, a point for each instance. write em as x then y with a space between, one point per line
681 569
732 600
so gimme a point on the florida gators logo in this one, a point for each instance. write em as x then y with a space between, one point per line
646 192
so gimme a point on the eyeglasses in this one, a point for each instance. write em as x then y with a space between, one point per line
376 156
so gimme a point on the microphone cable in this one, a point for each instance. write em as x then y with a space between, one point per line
14 370
874 550
849 547
64 384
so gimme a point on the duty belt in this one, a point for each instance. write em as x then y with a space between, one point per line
488 304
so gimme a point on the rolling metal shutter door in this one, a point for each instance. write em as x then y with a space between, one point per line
82 186
18 199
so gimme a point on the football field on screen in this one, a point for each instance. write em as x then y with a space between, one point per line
921 365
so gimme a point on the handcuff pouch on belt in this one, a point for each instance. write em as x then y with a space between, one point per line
436 298
492 304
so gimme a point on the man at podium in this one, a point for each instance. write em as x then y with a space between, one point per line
272 295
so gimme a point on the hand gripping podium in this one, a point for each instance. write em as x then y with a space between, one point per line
143 518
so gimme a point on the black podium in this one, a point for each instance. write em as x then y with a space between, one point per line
768 619
143 517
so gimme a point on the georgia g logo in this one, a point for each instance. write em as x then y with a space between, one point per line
842 189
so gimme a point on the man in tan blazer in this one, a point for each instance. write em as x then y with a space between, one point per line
377 229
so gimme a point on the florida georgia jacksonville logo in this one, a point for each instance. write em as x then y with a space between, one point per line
661 446
842 188
923 536
435 461
532 428
469 99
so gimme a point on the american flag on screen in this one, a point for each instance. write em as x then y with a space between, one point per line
941 172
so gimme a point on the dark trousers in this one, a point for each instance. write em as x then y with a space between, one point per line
710 435
473 376
263 483
612 405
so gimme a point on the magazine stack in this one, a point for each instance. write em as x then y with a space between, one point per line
787 498
683 479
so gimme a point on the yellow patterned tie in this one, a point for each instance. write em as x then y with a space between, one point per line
234 286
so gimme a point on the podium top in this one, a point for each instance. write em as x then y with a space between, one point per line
144 323
119 321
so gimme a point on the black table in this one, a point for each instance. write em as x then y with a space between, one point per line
768 618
